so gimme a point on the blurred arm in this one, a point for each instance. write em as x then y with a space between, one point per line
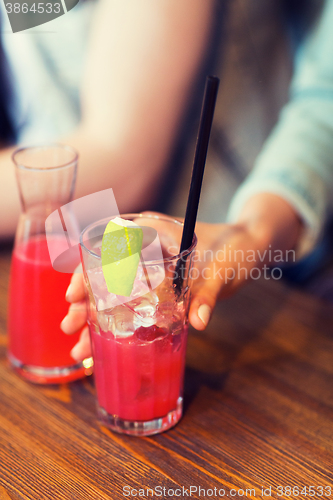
296 162
141 61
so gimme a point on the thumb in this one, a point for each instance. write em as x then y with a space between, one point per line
204 296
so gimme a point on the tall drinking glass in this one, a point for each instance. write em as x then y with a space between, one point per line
139 342
38 349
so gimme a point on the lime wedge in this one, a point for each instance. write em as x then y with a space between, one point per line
121 248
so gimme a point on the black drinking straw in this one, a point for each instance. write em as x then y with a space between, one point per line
206 120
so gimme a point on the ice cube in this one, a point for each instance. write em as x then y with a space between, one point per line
96 279
170 313
122 321
156 275
98 288
104 321
144 309
139 288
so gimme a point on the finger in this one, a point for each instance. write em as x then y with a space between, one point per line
75 291
204 297
75 319
82 348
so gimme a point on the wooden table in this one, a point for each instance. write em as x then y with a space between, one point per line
258 414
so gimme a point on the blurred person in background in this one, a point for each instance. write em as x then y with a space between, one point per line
140 66
111 79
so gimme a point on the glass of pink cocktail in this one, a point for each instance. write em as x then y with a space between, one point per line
139 342
38 349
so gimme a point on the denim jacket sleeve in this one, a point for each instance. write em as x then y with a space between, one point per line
296 161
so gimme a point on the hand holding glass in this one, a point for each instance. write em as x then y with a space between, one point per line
139 342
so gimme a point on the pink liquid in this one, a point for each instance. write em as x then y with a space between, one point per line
139 377
37 307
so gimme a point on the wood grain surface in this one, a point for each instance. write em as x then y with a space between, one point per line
258 414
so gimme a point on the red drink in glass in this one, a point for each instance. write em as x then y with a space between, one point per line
38 349
140 377
139 341
37 307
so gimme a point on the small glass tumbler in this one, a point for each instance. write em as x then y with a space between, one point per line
139 342
38 349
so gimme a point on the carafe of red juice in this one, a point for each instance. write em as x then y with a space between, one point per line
38 349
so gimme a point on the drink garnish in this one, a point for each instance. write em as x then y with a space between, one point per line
120 253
